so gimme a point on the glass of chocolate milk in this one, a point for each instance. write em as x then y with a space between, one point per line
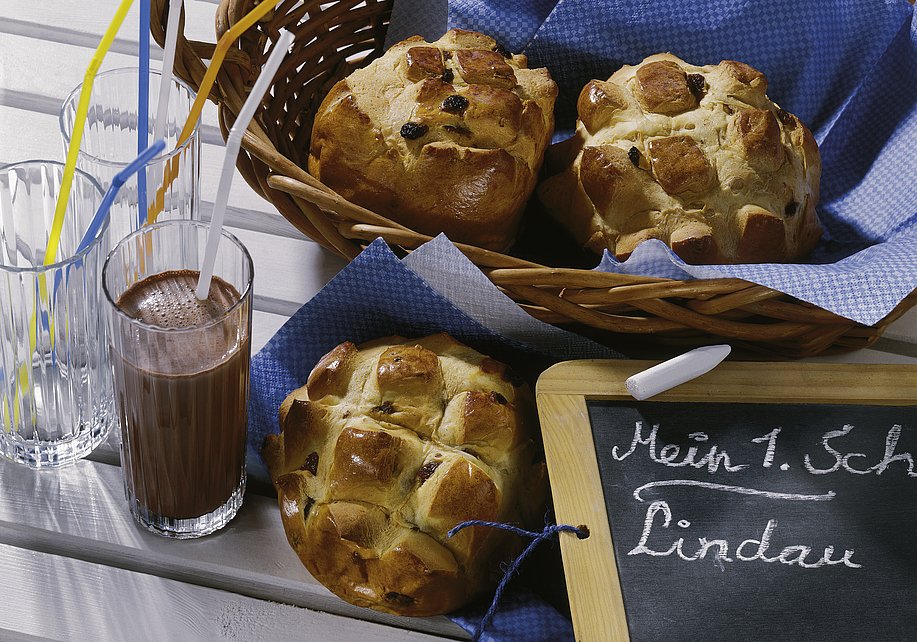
181 375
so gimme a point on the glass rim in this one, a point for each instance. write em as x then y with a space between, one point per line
74 97
73 258
245 294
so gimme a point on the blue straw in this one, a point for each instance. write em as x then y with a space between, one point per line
143 107
105 207
120 178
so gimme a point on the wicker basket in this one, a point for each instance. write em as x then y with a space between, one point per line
637 315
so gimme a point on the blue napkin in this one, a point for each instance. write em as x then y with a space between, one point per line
435 289
848 69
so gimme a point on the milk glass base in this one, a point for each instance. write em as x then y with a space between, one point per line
187 528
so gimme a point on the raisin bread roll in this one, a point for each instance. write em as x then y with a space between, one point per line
698 157
387 447
446 137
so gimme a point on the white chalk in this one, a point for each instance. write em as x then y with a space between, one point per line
675 372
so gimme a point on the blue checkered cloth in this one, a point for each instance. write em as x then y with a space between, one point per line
378 295
848 69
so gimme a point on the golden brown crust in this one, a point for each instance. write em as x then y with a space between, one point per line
679 165
477 122
408 439
662 87
697 157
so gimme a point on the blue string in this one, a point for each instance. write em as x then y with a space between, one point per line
550 531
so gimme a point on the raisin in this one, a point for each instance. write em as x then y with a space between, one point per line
426 471
448 76
696 85
791 208
398 359
412 131
503 51
387 408
306 508
311 464
786 118
634 155
399 598
497 397
455 104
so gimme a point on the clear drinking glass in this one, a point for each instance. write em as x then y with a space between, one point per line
181 376
109 143
55 380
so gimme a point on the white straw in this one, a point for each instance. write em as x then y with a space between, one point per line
168 62
233 142
675 372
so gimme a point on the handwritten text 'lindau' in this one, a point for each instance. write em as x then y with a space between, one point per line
750 550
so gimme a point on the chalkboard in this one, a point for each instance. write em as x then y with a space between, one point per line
720 513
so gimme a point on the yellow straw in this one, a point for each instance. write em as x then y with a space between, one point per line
219 53
79 122
63 196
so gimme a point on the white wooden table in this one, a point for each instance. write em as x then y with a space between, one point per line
72 563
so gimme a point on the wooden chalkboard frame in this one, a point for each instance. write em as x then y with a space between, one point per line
593 586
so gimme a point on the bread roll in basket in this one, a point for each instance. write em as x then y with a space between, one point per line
638 315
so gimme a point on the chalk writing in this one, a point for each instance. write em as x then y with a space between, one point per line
791 555
844 461
732 489
669 453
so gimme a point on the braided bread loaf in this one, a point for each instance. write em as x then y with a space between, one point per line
698 157
446 136
387 447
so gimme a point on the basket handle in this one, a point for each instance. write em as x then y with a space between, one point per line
191 54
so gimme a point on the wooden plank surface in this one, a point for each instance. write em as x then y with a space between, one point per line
62 598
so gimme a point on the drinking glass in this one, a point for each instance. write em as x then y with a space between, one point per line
181 376
55 380
109 143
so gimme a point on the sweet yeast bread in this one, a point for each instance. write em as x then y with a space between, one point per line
696 156
445 136
387 447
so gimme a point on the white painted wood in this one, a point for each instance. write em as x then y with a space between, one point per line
264 326
80 512
864 356
905 328
44 141
63 18
62 598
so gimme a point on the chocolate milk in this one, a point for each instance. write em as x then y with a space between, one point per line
184 395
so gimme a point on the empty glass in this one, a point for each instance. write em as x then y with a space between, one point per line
55 379
109 143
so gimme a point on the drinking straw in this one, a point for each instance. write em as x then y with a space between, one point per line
116 183
76 138
219 53
143 104
88 237
79 121
168 62
233 142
